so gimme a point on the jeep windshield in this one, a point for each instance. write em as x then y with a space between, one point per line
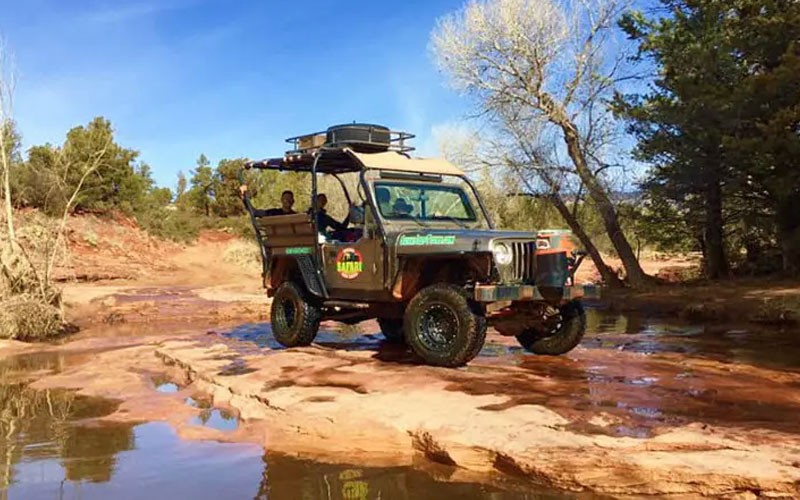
426 204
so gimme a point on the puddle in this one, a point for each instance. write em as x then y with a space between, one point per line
201 401
337 337
168 388
155 295
150 461
668 374
216 418
30 366
758 346
51 448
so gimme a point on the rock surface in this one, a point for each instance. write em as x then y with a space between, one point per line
337 404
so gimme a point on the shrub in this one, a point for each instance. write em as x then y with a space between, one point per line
26 317
243 253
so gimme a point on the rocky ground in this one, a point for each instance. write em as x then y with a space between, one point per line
616 416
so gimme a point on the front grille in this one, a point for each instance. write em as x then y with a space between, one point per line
523 265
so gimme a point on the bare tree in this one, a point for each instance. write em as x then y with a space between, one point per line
540 73
7 84
30 305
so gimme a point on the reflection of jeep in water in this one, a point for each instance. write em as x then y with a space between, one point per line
421 256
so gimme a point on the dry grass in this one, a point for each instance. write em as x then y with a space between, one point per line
244 254
30 306
26 318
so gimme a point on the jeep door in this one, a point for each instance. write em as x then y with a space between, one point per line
356 270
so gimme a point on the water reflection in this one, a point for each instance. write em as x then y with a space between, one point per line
50 447
37 426
748 344
286 477
144 461
216 418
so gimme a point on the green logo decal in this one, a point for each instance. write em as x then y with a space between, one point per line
298 250
427 239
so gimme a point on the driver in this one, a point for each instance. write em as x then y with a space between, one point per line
325 221
402 207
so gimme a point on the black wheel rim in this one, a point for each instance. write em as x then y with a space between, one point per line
552 323
287 313
438 327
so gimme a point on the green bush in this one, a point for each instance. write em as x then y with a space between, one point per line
184 226
176 225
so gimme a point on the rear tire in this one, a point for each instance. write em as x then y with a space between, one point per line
442 328
566 333
295 322
392 330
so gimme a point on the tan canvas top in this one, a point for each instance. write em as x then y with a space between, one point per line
391 160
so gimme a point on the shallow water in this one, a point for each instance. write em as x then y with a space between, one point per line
667 373
645 372
762 346
216 418
150 461
54 444
749 344
167 388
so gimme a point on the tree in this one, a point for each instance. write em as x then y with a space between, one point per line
765 143
114 183
181 188
226 188
720 121
161 197
30 304
9 141
538 72
201 194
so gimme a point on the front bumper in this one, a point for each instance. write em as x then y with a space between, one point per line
496 293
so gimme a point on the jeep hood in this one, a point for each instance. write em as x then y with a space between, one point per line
425 241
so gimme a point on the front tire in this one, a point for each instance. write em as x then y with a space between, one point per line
442 328
295 321
563 333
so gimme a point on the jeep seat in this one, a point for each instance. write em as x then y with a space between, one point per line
279 231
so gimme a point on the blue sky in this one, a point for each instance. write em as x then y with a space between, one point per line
228 79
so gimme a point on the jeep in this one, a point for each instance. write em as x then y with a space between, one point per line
421 255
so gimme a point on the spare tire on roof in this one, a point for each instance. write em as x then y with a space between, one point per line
362 137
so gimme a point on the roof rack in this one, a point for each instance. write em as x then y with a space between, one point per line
361 137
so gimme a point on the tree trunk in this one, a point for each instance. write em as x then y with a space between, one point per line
789 235
716 263
609 277
5 164
633 271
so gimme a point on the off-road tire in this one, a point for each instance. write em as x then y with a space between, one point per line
568 335
422 331
299 330
392 330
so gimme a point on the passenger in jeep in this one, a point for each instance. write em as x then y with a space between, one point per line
287 202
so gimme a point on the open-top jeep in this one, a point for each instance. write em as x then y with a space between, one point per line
421 255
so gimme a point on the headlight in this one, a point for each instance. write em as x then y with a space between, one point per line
502 254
